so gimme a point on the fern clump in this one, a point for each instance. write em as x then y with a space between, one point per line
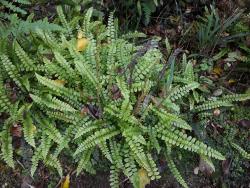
102 97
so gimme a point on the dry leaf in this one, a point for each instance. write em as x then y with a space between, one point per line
16 130
231 81
82 44
143 178
217 70
66 182
60 82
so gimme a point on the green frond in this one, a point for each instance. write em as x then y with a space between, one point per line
143 159
53 162
13 7
6 148
58 87
86 127
105 150
208 105
85 160
111 29
64 21
51 131
168 119
11 69
175 172
37 156
28 64
114 177
130 168
182 91
53 103
182 140
29 130
86 24
235 97
45 145
5 103
115 151
189 72
243 153
96 138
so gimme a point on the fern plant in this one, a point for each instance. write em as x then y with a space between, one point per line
91 89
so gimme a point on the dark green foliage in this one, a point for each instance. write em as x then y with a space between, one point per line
103 98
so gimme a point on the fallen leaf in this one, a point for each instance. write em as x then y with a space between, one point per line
66 182
231 81
82 44
217 70
60 82
143 178
16 130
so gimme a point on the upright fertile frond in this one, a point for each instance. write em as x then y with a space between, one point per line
111 29
189 72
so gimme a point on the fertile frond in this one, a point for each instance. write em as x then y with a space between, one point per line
111 28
